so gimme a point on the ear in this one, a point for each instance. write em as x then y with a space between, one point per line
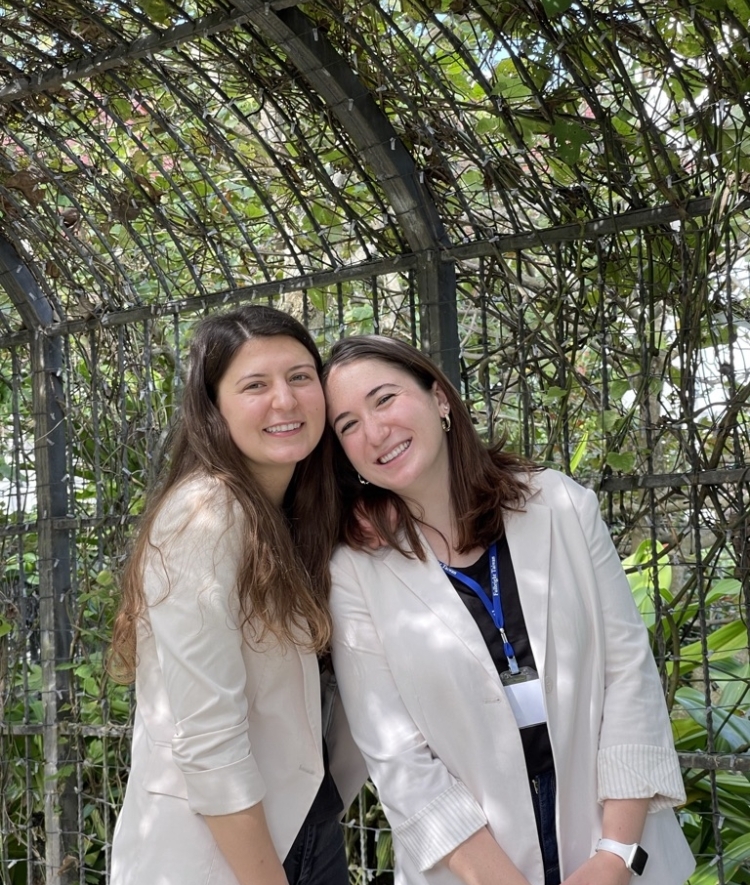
440 398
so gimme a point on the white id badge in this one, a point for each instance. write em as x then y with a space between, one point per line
527 702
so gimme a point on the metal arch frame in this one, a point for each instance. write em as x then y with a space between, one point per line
371 132
328 74
358 115
46 356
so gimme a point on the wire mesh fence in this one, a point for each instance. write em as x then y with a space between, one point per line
549 197
609 379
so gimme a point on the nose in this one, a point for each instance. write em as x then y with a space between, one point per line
284 398
376 430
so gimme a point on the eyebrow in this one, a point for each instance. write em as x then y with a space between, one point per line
374 392
266 374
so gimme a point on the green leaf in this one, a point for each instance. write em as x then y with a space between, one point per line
731 730
553 394
734 854
726 587
569 137
317 298
621 461
483 125
610 419
105 578
727 641
579 452
157 10
556 7
384 851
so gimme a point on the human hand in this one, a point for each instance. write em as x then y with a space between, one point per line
604 868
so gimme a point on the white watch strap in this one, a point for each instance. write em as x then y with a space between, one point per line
622 850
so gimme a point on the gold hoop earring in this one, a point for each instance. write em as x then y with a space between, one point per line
445 423
365 482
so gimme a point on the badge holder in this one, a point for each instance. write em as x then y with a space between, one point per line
524 692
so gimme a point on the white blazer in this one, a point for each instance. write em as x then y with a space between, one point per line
220 725
430 715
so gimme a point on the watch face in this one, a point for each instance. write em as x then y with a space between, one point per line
638 863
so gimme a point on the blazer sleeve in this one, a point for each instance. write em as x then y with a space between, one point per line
636 757
431 812
193 610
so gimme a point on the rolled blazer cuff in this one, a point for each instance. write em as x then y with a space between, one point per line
635 771
225 790
440 827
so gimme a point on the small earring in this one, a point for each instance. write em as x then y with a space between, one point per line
365 482
445 422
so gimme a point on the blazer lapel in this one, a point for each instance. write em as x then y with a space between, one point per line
529 537
430 584
308 662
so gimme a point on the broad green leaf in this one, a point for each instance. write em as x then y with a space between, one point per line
610 419
726 587
569 137
317 298
730 730
556 7
734 854
728 640
553 394
105 578
623 461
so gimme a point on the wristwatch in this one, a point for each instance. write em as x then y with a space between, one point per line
634 856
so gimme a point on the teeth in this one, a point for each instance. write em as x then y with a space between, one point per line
397 451
282 428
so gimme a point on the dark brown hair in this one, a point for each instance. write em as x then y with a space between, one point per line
485 480
283 580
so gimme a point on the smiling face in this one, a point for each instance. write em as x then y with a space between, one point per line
389 425
272 401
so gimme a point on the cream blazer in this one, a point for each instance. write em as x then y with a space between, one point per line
430 715
220 725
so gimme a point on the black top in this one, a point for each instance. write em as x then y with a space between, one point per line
535 738
327 802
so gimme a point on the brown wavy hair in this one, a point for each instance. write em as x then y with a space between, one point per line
485 480
283 549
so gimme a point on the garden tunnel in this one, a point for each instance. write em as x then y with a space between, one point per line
550 197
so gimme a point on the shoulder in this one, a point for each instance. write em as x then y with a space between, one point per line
365 569
349 559
552 487
199 509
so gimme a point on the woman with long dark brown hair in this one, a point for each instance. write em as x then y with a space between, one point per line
494 668
224 608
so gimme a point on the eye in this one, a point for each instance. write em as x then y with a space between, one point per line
384 399
253 385
300 376
345 427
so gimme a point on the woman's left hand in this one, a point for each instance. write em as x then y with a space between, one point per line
623 821
604 868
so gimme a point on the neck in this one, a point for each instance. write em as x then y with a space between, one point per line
439 525
435 511
274 483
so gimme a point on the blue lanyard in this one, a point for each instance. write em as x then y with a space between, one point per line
495 607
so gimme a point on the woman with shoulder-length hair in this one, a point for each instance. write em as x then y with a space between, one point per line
494 669
224 607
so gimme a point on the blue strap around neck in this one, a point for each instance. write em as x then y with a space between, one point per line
494 607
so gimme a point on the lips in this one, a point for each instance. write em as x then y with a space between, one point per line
284 428
394 453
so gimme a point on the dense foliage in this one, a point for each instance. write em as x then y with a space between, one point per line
157 159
